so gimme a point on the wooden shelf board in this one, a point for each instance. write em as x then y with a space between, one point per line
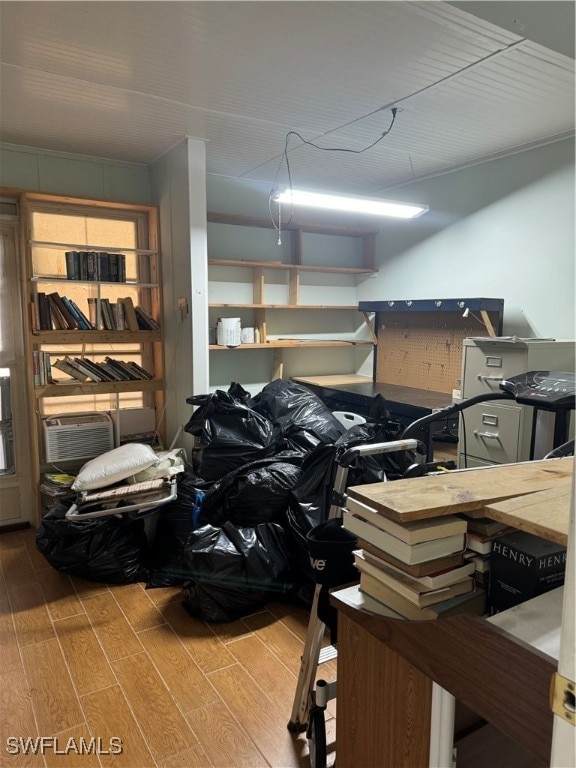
96 337
293 343
284 306
334 380
423 497
126 283
73 388
281 265
99 248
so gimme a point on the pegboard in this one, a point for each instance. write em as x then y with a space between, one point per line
423 350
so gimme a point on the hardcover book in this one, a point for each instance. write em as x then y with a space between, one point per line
419 569
421 597
411 532
472 602
482 544
523 566
441 578
407 553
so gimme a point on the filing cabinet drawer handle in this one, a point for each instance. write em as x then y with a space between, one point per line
487 435
481 377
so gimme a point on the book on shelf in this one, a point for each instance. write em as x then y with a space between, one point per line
481 544
130 314
87 367
415 593
141 373
118 315
471 602
113 372
72 265
483 525
107 315
414 532
442 578
103 266
417 570
93 315
83 321
66 367
407 553
145 320
69 322
523 566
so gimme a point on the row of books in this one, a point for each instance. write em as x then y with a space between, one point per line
416 569
85 369
42 368
96 265
54 312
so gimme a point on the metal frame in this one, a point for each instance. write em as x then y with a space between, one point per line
306 697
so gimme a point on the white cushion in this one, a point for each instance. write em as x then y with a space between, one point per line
113 466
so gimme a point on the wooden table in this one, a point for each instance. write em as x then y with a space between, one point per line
386 666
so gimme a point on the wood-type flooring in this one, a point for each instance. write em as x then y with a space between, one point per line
130 669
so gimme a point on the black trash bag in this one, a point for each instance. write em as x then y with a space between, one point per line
299 414
236 570
176 522
255 493
331 559
112 550
229 431
374 469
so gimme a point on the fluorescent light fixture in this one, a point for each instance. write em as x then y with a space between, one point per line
352 204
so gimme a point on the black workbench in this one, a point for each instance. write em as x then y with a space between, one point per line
405 404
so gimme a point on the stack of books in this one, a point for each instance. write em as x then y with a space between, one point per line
417 569
84 369
482 532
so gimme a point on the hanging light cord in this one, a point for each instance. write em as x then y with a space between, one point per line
284 158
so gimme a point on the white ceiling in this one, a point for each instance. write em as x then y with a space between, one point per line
127 80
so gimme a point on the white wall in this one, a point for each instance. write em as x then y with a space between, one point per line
503 229
41 170
178 183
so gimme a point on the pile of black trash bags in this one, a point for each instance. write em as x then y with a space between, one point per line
236 536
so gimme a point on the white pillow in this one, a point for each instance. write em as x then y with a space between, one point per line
113 466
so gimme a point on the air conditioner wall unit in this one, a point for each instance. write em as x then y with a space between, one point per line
77 436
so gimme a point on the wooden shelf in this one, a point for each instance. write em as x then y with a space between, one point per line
126 283
283 266
294 343
100 248
73 388
96 337
285 306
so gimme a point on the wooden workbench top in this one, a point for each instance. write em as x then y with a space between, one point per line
532 496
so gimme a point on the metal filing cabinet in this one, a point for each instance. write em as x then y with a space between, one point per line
500 432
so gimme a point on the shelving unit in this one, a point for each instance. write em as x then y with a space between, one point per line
45 219
261 283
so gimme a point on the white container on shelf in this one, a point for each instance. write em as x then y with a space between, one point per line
247 336
228 332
